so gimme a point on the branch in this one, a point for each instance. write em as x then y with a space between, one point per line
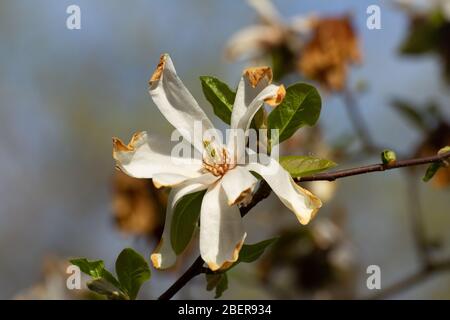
331 176
264 191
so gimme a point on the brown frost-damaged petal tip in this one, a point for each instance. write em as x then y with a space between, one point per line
256 74
159 69
278 98
155 257
119 146
315 202
214 267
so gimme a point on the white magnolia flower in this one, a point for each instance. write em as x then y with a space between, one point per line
227 183
254 41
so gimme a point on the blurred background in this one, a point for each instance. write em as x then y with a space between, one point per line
65 93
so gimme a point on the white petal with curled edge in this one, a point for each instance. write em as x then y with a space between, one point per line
238 184
177 104
253 90
302 202
164 257
146 156
221 231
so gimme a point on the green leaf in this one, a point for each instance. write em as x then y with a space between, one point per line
132 271
299 166
431 171
184 220
301 106
218 281
251 252
104 287
95 269
220 96
424 35
435 166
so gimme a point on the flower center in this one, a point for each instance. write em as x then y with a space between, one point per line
216 160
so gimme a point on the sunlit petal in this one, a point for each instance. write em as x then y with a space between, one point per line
177 104
302 202
146 156
221 231
164 257
238 184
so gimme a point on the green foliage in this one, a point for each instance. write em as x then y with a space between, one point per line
301 106
105 288
252 252
218 281
422 38
431 171
184 220
93 268
299 166
388 157
220 96
132 271
429 34
435 166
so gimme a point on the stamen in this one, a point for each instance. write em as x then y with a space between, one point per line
218 163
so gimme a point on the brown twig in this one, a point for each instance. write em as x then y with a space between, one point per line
264 191
331 176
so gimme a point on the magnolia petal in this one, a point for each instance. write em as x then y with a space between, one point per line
168 179
266 11
221 231
303 25
177 104
164 257
302 202
238 185
252 42
254 89
278 98
147 156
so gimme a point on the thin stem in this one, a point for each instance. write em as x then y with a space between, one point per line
194 270
331 176
264 191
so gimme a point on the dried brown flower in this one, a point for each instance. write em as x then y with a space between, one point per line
138 206
333 45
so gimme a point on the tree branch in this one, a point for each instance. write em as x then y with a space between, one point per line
331 176
264 191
